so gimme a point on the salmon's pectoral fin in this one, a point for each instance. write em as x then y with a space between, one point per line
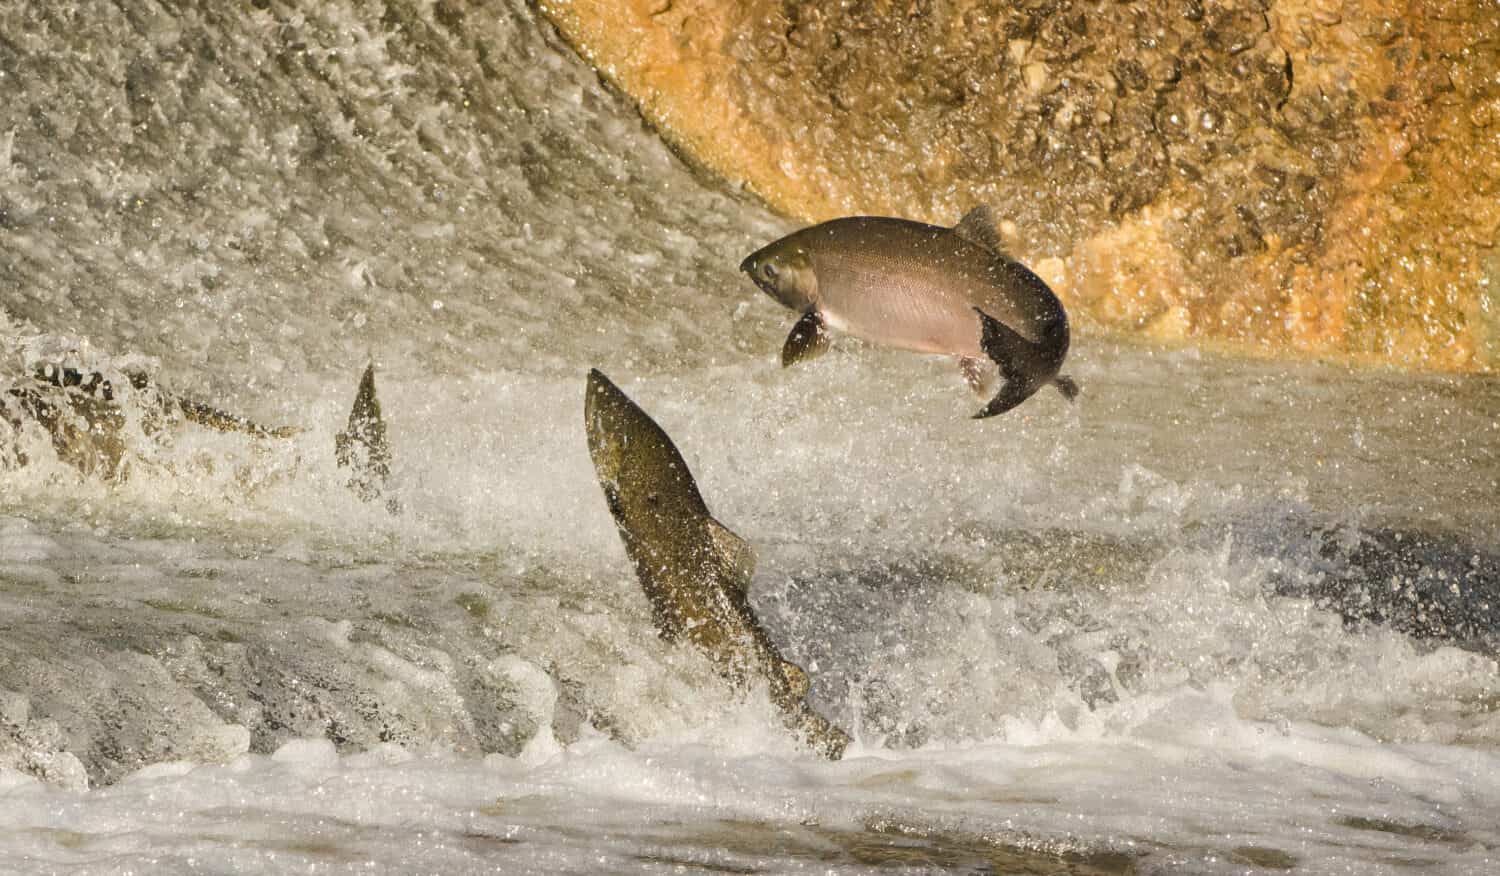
808 340
1066 386
1014 354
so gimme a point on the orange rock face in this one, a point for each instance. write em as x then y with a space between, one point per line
1315 177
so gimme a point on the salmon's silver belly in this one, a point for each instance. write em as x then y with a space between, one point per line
909 285
900 308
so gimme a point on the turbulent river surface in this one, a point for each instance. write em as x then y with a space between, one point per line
1218 616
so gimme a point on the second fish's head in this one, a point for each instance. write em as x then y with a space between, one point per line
784 271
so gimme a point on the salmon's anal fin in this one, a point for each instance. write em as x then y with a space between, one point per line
808 340
978 228
1016 357
980 379
1066 386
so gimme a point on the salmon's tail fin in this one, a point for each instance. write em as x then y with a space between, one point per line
1019 362
363 448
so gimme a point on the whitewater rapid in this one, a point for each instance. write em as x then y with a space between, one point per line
1219 615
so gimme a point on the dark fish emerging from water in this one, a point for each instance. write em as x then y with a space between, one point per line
695 572
920 287
82 415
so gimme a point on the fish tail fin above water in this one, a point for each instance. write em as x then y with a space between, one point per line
366 407
1010 395
363 447
1066 386
1019 361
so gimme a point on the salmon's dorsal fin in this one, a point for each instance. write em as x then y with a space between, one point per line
365 421
735 551
363 447
808 340
211 417
978 228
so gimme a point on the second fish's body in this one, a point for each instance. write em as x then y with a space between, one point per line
924 288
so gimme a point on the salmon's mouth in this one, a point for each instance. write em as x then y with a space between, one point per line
751 266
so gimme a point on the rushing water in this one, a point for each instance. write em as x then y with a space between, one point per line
1218 616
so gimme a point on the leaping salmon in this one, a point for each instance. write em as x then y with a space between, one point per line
695 572
923 288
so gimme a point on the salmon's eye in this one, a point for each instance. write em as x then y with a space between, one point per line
769 270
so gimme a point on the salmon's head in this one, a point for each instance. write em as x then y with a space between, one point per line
784 271
646 483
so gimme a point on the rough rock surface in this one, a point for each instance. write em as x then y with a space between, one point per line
1317 176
